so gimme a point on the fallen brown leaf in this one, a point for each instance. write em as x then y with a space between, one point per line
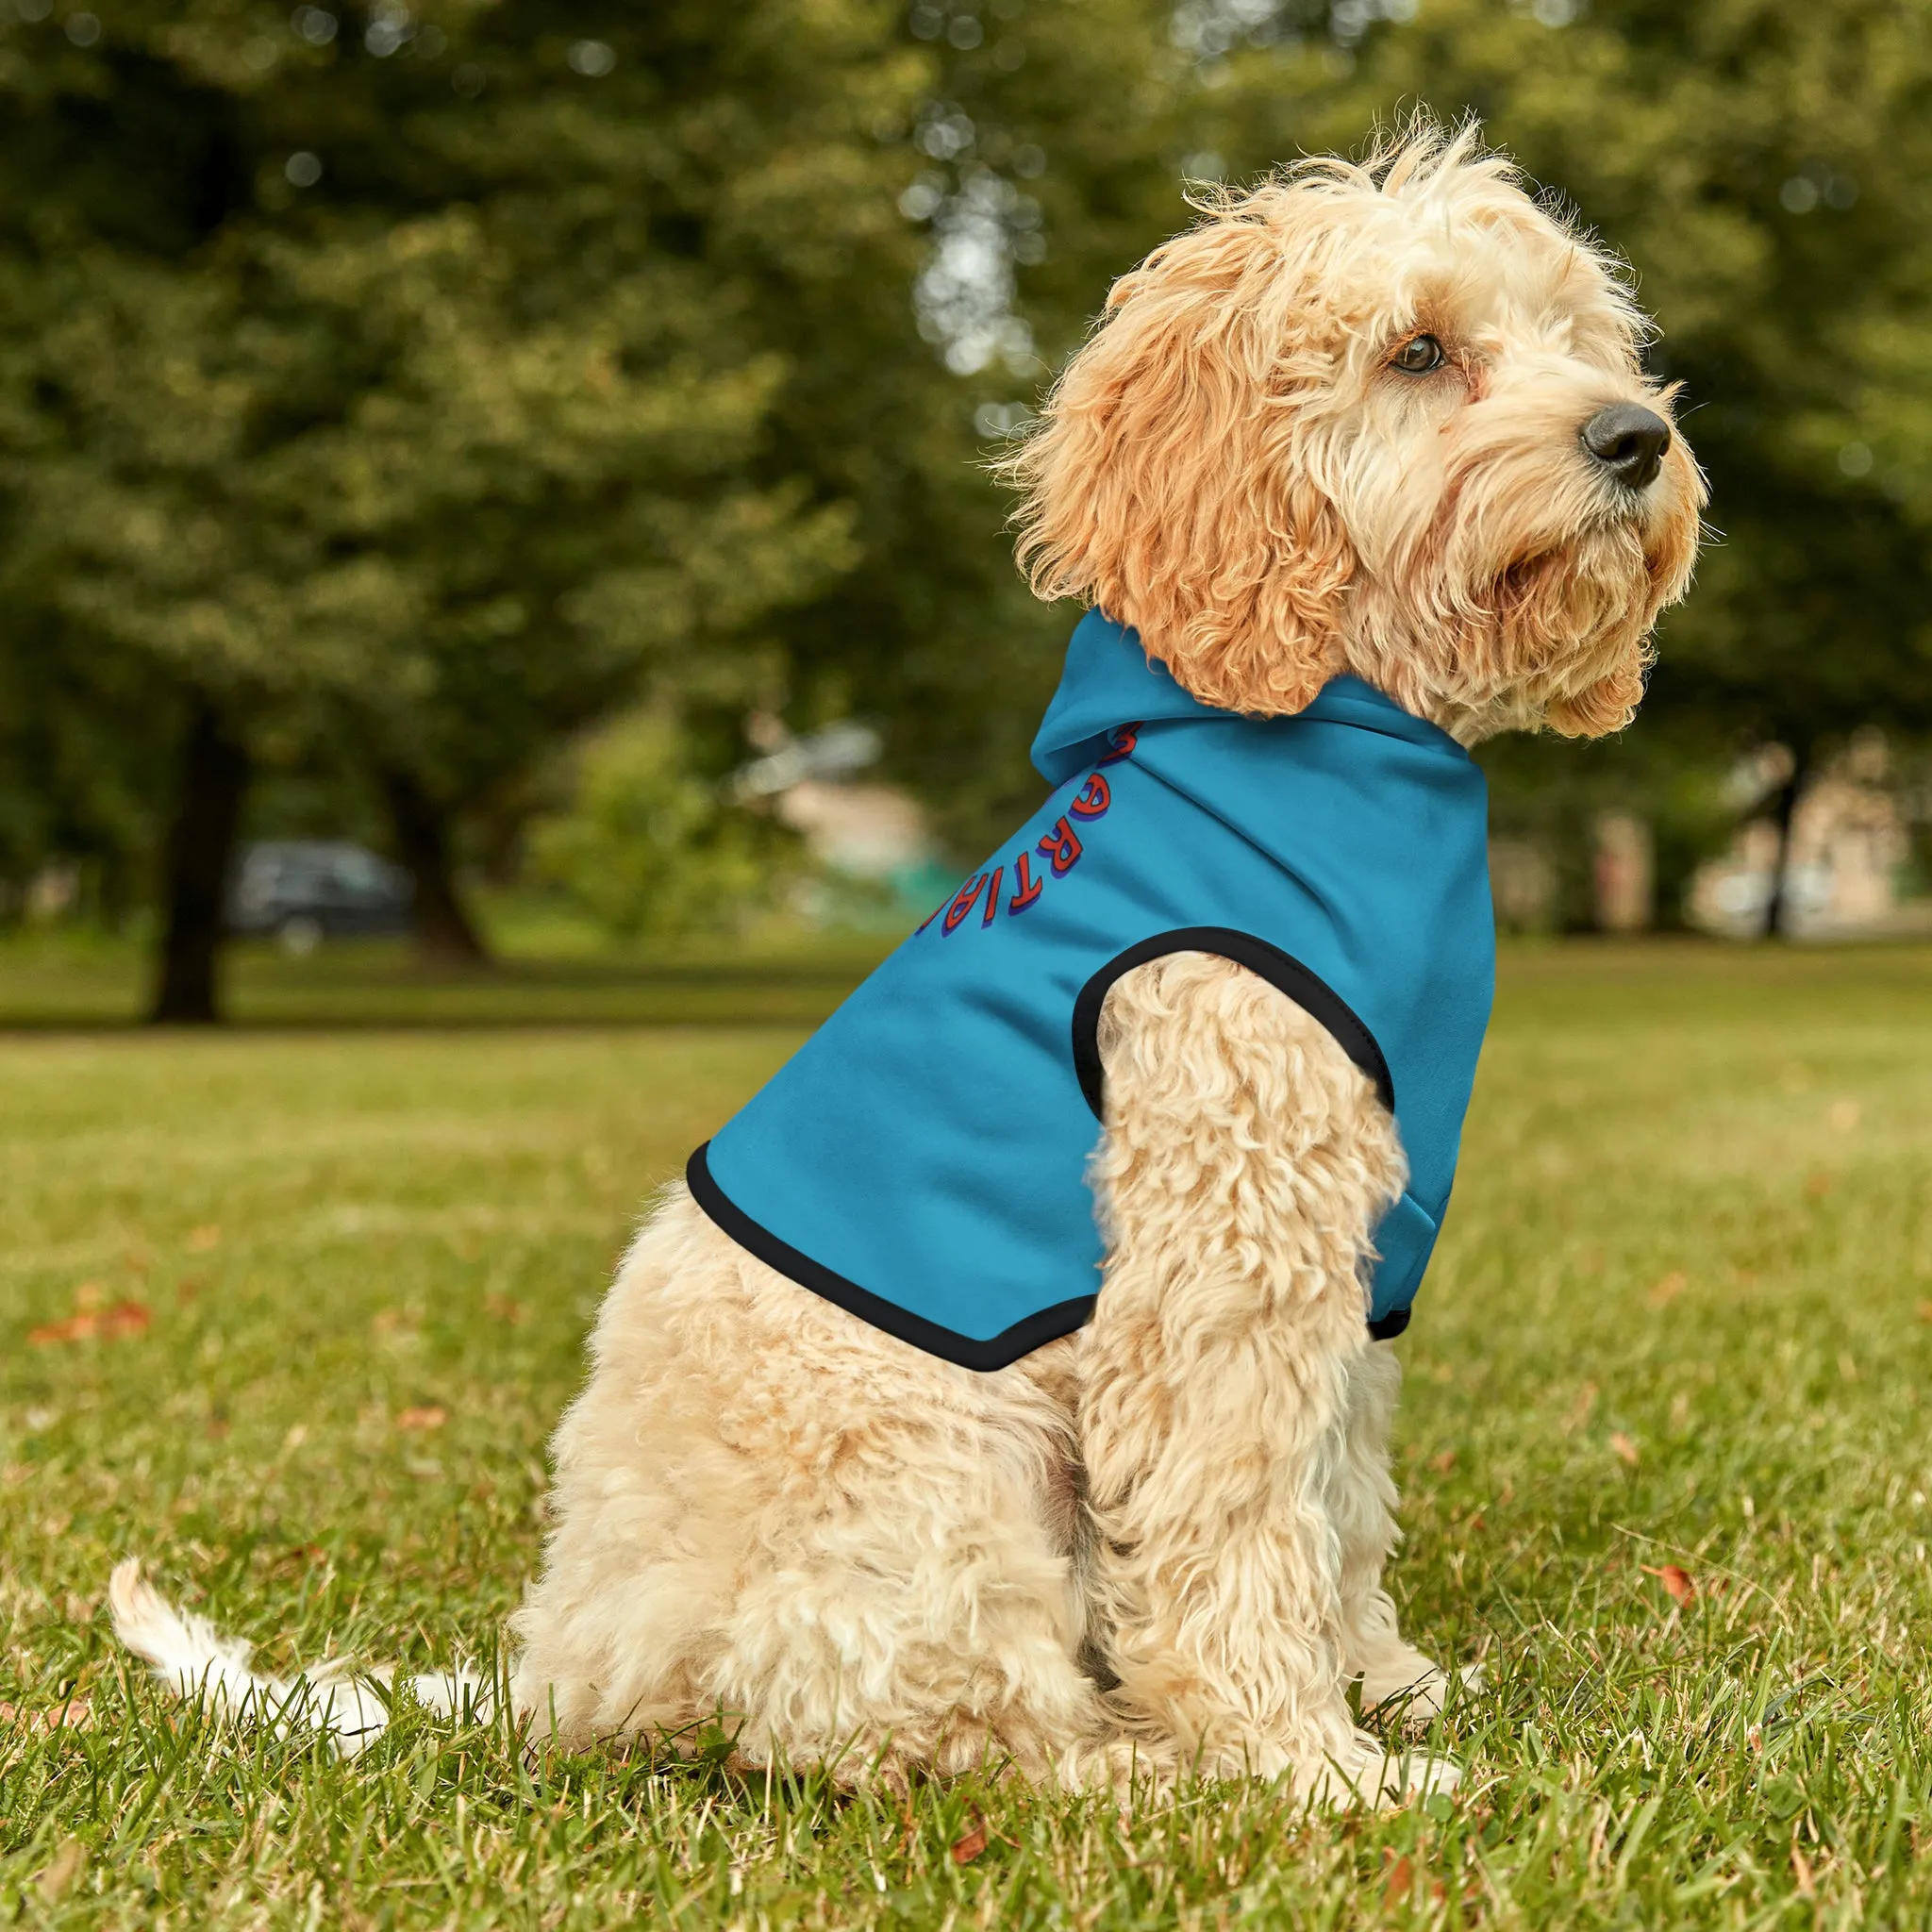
76 1714
56 1879
1443 1463
1580 1408
204 1240
968 1848
74 1328
1625 1448
1926 1311
1817 1185
1676 1581
1669 1289
430 1416
124 1318
505 1307
1801 1871
1398 1883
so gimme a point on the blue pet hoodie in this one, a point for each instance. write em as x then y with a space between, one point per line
921 1159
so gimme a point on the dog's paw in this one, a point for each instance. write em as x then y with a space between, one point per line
1368 1773
1418 1774
1408 1696
1411 1690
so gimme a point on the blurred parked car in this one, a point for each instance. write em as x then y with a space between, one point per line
305 891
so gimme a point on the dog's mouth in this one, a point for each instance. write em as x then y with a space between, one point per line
1560 607
1525 599
1632 543
1588 556
1651 545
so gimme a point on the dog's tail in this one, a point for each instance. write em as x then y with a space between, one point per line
194 1660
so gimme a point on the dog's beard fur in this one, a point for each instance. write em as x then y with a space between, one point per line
1527 597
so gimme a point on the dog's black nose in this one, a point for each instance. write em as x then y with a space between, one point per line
1629 442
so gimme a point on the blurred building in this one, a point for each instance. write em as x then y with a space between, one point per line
873 844
1850 852
1522 885
1527 890
870 831
1623 873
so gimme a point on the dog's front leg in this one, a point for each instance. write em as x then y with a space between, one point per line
1244 1164
1361 1502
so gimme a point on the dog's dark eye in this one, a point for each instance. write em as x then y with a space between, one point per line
1417 356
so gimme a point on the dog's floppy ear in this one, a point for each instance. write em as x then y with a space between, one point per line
1167 482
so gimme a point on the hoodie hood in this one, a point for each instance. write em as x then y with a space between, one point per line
1109 680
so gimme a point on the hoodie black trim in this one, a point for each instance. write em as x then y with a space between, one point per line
1311 994
998 1352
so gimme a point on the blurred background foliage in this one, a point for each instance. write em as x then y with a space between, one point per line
480 428
650 846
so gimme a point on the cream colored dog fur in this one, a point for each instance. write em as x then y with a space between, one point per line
1155 1546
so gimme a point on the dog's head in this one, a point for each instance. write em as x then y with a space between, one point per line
1387 419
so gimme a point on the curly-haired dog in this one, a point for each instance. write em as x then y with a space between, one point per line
1361 470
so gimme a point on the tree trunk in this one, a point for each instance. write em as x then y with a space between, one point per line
198 857
445 935
1777 905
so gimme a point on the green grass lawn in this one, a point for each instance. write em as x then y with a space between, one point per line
1678 1319
61 981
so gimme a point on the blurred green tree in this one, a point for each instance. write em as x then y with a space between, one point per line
429 387
373 379
421 386
650 845
1042 158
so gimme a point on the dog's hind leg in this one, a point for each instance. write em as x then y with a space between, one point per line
913 1603
1244 1163
772 1518
1361 1505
